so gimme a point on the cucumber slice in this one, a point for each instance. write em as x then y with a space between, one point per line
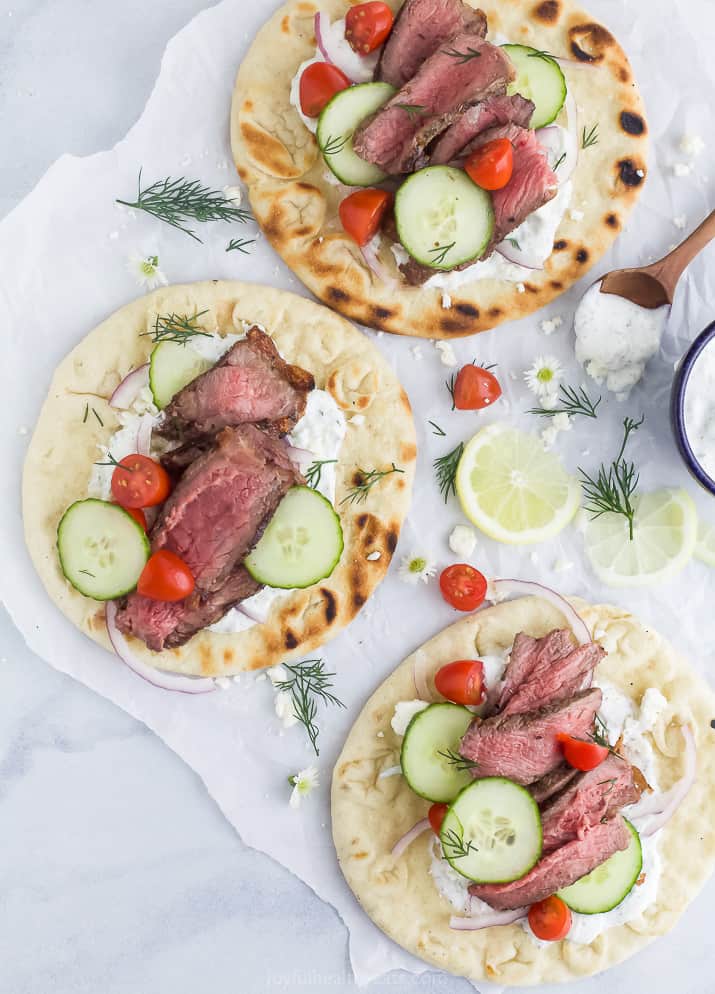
102 549
538 78
171 367
437 729
492 831
605 887
302 543
443 218
337 124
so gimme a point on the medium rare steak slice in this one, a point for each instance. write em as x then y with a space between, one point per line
462 72
555 679
250 383
552 783
526 653
212 520
490 113
560 868
201 610
420 28
589 799
523 747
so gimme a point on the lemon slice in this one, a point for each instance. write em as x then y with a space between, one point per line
705 544
512 489
664 531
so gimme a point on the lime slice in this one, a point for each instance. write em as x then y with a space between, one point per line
664 531
705 544
512 489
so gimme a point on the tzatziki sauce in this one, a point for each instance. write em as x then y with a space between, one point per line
699 410
615 338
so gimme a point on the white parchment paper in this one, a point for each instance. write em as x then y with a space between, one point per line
63 255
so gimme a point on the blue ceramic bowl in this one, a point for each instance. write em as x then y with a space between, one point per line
677 407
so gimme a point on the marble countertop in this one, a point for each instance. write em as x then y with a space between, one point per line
117 871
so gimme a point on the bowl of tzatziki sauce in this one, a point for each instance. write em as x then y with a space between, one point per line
692 408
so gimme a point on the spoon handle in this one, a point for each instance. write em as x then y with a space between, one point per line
669 269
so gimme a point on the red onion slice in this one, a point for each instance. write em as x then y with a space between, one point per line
409 837
391 771
301 457
519 256
500 590
419 676
658 809
126 393
158 678
332 45
487 919
371 257
257 617
560 141
146 424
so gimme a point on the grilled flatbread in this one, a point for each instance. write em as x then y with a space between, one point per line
370 814
64 447
295 198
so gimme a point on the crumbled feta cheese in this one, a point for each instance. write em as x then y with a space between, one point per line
520 288
576 215
381 735
446 301
284 708
462 540
374 556
691 145
640 172
549 326
357 420
559 422
446 353
234 194
682 169
680 221
404 713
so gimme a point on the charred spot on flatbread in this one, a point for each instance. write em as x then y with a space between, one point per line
290 640
548 11
612 221
590 42
632 124
582 255
560 244
630 172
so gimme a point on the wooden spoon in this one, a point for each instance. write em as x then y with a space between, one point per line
653 286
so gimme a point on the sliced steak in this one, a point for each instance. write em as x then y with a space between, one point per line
251 383
552 783
420 28
560 868
555 679
589 799
523 747
201 610
490 113
526 653
212 519
464 71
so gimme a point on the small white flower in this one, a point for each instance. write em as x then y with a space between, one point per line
544 376
145 270
415 568
446 353
303 783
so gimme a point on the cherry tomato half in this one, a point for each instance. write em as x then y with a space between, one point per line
463 586
475 388
580 753
318 85
367 25
436 816
491 165
550 919
462 681
166 577
138 515
362 212
138 481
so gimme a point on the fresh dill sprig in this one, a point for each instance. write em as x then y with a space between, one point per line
462 57
453 841
514 243
308 682
86 414
589 138
614 486
314 471
110 461
600 734
458 762
436 430
440 253
413 110
177 328
335 144
177 201
98 417
546 56
446 470
367 480
87 573
571 401
559 161
239 245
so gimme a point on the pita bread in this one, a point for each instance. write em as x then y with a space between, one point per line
370 814
295 197
63 449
